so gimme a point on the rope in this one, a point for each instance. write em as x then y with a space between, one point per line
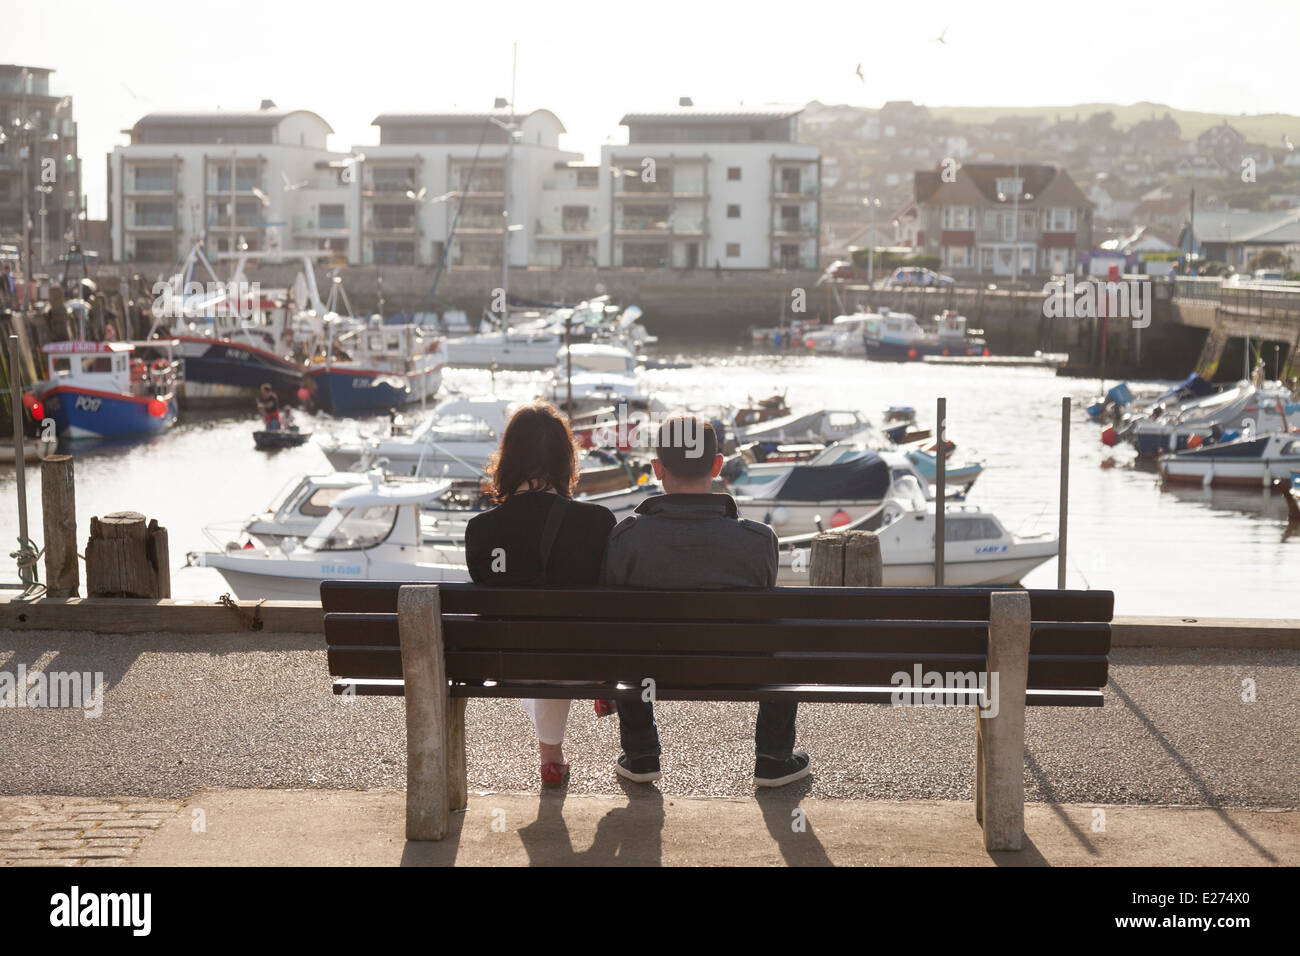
253 621
27 557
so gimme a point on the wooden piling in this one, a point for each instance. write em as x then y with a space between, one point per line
59 512
127 558
846 559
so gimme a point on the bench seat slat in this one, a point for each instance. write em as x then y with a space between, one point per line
679 668
1036 697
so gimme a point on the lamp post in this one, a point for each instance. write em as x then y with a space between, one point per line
872 204
44 191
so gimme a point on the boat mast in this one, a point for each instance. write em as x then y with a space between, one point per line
505 212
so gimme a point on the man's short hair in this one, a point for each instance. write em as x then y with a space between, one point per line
686 446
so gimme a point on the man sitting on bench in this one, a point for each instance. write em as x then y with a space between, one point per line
692 539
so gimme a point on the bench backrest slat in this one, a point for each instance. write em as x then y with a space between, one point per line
467 632
933 604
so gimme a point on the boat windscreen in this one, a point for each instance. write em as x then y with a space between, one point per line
863 478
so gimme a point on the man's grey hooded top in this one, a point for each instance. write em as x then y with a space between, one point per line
690 542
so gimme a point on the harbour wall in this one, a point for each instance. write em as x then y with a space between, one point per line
108 616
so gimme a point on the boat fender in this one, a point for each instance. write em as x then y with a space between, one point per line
840 518
1108 436
1194 442
779 517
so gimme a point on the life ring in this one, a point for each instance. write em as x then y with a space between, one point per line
138 369
158 366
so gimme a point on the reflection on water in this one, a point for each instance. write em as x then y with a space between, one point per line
1182 551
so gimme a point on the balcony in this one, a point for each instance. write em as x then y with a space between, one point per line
794 191
320 224
794 227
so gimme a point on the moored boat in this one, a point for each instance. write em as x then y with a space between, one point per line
1246 462
385 367
100 390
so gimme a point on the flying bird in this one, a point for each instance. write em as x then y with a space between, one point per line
858 73
940 37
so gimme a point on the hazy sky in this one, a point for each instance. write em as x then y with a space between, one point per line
590 62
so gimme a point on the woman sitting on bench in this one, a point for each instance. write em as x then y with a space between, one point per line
537 535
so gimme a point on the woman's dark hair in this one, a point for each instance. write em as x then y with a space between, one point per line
537 450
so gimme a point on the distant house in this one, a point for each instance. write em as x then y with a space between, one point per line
1154 132
998 219
1234 236
1163 206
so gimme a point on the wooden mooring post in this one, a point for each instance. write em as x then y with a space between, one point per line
59 514
848 559
127 558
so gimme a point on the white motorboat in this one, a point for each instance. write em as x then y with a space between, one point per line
531 349
455 441
299 508
1247 462
828 425
978 550
844 336
595 376
371 533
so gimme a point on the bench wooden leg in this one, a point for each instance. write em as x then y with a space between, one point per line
457 780
1000 800
979 768
428 711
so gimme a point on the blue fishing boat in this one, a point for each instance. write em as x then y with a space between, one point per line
375 369
102 390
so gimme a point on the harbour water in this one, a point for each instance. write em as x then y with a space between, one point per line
1187 552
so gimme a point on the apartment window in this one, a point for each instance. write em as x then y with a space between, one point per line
1058 219
1028 222
154 214
394 217
990 220
958 217
733 212
733 174
154 178
331 216
395 253
392 179
733 250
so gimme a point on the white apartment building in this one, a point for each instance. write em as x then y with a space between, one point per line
251 179
698 189
432 169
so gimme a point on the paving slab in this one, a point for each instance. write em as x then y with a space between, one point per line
644 827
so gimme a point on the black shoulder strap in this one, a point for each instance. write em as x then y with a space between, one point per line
553 519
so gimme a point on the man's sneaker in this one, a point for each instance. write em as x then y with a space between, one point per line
770 772
638 770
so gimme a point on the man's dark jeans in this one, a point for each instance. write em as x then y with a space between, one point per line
773 731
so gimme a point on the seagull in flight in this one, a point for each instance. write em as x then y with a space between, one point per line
858 73
940 37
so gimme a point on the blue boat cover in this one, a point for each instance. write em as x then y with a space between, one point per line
1120 394
858 479
1193 386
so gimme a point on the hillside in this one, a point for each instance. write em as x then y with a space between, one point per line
1264 128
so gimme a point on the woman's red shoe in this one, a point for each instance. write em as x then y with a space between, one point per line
555 774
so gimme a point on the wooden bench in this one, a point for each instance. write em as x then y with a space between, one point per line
441 644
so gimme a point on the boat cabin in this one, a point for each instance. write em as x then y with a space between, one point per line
366 517
900 327
102 366
950 325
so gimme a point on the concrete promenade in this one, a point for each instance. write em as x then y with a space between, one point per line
244 727
640 828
